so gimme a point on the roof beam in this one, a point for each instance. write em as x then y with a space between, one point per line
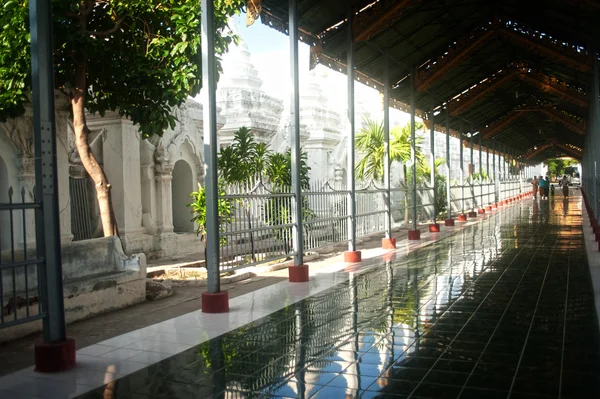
570 150
535 151
501 28
500 124
380 16
543 82
532 152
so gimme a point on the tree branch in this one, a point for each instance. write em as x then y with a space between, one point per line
110 31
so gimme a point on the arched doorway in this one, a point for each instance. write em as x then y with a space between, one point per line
182 186
4 215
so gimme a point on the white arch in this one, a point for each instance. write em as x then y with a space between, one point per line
182 186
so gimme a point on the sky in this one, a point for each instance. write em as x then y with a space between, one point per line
270 55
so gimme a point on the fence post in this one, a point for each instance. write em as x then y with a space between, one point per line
57 352
213 300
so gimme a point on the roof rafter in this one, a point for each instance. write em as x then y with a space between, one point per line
380 16
557 115
568 148
517 33
518 71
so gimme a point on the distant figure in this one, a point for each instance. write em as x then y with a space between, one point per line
535 183
565 185
544 185
549 187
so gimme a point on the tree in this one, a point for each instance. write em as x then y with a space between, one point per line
371 141
556 167
278 211
139 58
243 164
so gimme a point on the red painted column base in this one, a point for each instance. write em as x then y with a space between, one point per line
449 222
481 211
434 228
414 235
352 256
596 229
215 302
388 243
55 356
488 208
472 214
298 274
462 217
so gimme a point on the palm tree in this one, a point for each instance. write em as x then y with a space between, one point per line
371 141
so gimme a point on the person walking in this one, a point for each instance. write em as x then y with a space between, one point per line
543 187
534 184
565 185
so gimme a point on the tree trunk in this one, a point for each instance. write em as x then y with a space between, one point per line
91 165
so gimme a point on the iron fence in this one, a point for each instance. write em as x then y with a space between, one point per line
83 222
20 265
328 224
260 227
370 210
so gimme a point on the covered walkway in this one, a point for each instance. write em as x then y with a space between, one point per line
501 308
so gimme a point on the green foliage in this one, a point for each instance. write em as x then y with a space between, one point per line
278 210
556 167
198 208
371 141
141 57
244 162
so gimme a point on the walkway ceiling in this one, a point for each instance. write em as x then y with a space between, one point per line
522 66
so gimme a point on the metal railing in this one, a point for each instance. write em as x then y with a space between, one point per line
19 264
329 210
260 227
370 210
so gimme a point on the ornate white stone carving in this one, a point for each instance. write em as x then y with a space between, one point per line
242 100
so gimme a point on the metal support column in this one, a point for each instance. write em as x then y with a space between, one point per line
209 83
448 177
432 162
472 170
46 179
595 129
214 300
413 150
487 160
351 172
386 149
495 172
297 231
462 170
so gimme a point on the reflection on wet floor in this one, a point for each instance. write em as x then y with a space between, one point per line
502 309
